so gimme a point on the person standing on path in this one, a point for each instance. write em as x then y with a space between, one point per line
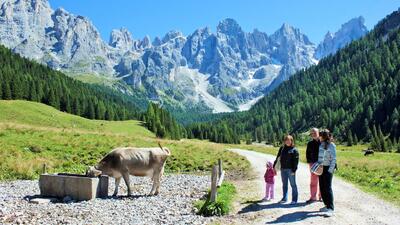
327 157
288 157
312 157
269 178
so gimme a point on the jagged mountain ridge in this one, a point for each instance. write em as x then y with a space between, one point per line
221 71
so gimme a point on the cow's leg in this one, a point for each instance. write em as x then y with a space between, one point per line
156 175
117 181
159 181
125 175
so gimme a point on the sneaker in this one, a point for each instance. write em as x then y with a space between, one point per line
323 209
293 203
265 199
329 212
309 201
282 201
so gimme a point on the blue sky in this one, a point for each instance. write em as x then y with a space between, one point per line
155 18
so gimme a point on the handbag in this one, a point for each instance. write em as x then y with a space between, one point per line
317 169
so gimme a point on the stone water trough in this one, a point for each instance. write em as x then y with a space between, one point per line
78 187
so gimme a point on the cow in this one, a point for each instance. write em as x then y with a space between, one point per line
122 162
368 152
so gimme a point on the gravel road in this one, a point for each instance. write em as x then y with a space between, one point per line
352 206
174 205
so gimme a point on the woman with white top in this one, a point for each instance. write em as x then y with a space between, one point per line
327 157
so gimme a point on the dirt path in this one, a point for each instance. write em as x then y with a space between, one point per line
352 206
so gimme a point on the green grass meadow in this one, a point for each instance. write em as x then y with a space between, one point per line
33 134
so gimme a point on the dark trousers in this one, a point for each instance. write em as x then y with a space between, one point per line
325 186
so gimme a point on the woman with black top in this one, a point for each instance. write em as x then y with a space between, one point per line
289 159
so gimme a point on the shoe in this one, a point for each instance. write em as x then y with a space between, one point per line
293 203
329 212
323 209
309 201
282 201
265 199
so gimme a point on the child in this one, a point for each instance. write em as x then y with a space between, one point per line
269 178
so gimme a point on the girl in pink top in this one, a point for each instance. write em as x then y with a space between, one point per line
269 178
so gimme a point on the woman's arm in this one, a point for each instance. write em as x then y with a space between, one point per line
295 160
332 164
279 154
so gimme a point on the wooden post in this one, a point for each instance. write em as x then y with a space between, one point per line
219 168
44 168
214 180
221 173
221 179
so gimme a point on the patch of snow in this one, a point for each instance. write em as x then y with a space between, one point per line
200 85
246 106
251 83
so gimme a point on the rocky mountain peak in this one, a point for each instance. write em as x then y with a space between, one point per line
352 30
171 35
229 27
121 38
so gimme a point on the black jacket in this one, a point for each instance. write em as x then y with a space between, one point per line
289 157
312 151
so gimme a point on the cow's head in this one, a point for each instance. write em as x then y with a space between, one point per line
93 172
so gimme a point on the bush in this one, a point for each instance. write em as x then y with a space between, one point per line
223 203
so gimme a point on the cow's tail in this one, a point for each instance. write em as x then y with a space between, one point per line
164 149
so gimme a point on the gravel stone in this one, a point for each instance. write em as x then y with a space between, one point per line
174 204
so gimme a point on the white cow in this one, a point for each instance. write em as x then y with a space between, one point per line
122 162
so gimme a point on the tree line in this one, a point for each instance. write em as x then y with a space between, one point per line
24 79
162 123
355 93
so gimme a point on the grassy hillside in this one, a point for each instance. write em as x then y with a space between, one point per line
378 174
32 134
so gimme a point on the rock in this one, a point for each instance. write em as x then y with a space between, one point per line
42 200
166 208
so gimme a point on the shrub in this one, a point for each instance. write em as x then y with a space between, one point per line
223 203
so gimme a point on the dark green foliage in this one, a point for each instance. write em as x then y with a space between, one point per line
162 123
23 79
354 90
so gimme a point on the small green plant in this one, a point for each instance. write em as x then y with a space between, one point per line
223 203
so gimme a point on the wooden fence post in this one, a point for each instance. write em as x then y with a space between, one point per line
44 168
221 173
219 167
214 180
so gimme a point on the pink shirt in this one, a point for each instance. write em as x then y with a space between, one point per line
269 176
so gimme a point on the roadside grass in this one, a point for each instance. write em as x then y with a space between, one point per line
222 205
33 134
378 174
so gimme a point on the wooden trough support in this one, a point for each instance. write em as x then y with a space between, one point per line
217 177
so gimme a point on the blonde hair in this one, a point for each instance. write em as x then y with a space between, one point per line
289 137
